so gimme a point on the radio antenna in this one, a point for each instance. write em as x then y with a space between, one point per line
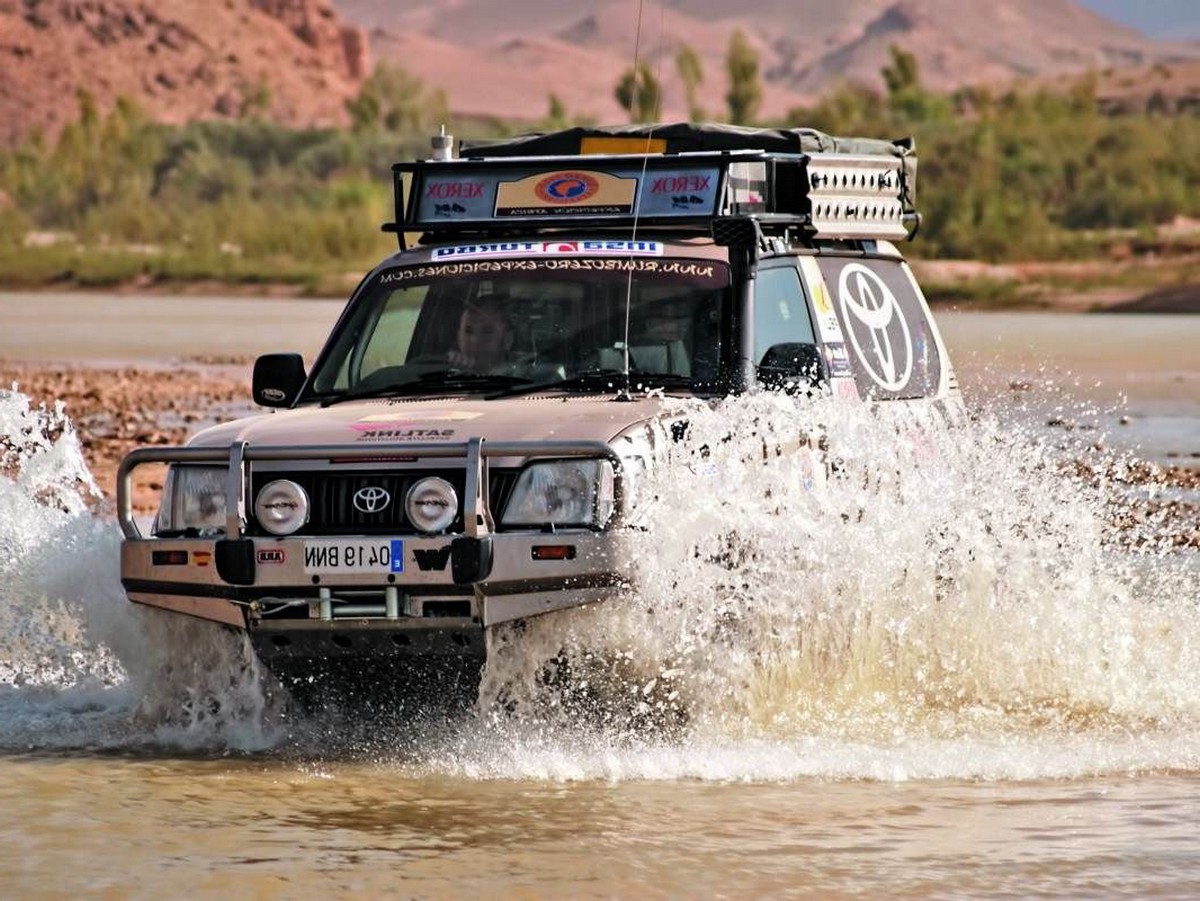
625 393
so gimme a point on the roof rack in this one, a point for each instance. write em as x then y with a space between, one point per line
718 180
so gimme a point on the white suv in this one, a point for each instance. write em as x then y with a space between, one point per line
465 449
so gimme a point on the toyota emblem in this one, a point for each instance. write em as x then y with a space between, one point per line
371 499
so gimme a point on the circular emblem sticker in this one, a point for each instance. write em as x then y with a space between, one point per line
566 188
877 327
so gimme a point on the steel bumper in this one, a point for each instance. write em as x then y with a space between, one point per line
182 575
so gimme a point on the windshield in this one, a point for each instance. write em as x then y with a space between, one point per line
484 325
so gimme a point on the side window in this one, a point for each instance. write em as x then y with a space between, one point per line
780 313
389 340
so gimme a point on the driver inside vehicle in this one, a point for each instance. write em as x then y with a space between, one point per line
484 339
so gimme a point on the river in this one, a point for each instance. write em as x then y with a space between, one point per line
1026 722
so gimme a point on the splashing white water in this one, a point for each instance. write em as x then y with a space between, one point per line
79 665
946 604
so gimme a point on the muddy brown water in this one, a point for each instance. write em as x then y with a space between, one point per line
1089 789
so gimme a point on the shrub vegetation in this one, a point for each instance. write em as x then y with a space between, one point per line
1026 174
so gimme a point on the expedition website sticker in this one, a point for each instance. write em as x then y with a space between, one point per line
550 248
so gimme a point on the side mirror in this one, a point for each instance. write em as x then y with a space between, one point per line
792 367
278 379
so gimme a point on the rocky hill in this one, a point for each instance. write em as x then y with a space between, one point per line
297 61
504 57
293 61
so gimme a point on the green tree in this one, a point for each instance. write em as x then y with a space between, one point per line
691 73
256 99
395 101
909 102
849 109
556 114
745 90
639 94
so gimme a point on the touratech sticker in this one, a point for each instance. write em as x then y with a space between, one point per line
549 248
877 327
201 558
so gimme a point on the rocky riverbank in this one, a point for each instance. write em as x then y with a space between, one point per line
116 409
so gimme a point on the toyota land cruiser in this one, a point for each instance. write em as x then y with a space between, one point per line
466 448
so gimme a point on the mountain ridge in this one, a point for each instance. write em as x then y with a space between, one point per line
804 48
297 62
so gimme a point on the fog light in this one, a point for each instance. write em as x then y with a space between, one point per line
281 507
431 504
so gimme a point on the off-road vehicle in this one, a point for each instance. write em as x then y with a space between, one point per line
416 488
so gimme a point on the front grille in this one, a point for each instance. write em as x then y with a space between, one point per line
331 494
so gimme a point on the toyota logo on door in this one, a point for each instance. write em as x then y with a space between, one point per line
371 499
876 327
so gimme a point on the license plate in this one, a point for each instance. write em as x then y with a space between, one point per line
385 555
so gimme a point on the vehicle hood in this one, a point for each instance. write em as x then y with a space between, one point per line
455 419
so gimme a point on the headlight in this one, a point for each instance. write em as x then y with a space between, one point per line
431 504
193 498
562 493
281 507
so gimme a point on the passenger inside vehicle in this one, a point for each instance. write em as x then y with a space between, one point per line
484 338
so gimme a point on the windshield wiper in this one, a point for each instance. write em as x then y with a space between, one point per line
613 379
428 382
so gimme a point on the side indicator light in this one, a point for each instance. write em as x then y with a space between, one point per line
169 558
554 552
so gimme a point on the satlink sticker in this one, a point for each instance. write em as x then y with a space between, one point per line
827 321
405 434
378 421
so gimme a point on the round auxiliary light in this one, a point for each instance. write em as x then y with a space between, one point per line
281 507
431 504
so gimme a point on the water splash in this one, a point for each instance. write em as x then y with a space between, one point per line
79 665
949 603
952 599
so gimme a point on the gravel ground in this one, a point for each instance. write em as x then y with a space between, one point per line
116 410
